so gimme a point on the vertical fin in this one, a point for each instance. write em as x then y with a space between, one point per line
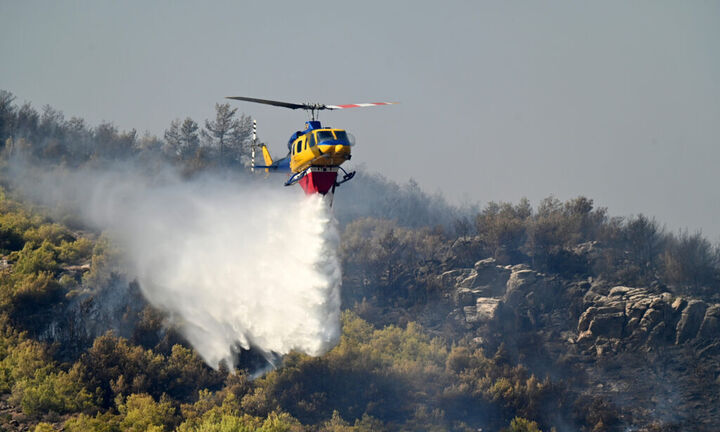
266 156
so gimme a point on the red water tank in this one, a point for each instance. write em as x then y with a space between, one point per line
319 180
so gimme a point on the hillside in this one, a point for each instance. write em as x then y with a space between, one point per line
506 317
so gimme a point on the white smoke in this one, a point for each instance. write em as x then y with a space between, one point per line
234 265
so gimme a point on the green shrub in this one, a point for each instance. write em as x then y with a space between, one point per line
33 260
44 427
47 232
35 289
59 392
105 422
22 361
142 413
519 424
76 251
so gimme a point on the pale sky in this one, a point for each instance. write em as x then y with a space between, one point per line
615 100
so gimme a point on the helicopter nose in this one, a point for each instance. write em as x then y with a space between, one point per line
327 148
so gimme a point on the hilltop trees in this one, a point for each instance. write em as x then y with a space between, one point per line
574 239
690 261
48 137
7 115
182 140
228 134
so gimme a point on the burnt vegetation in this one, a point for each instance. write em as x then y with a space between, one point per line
73 356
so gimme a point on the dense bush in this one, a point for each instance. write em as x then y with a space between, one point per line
389 263
59 392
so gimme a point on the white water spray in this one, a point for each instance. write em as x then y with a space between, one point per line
234 266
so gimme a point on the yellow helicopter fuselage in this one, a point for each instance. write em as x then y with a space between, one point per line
324 147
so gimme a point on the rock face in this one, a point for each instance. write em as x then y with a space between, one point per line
484 310
646 317
710 327
642 347
641 315
692 317
487 293
478 290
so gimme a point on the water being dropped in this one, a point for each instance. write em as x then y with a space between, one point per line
234 266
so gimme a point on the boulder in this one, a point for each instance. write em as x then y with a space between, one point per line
632 325
608 324
484 310
452 277
487 278
657 335
637 309
690 320
485 264
487 308
492 276
584 336
464 297
471 315
651 318
678 305
591 297
710 327
619 291
521 277
586 318
519 284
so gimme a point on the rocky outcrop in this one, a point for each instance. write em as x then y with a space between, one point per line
478 290
484 310
710 327
489 292
647 318
485 279
643 347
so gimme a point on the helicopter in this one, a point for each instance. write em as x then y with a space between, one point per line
315 153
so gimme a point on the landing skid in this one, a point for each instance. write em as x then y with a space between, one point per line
295 178
347 176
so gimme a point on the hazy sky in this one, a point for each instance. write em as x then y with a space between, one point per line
617 101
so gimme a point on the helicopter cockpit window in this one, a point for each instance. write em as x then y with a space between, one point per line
299 147
325 136
311 138
342 136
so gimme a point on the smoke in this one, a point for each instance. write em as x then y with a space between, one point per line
235 265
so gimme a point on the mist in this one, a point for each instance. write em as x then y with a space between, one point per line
234 264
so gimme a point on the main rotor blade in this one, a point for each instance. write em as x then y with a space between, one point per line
361 105
271 102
